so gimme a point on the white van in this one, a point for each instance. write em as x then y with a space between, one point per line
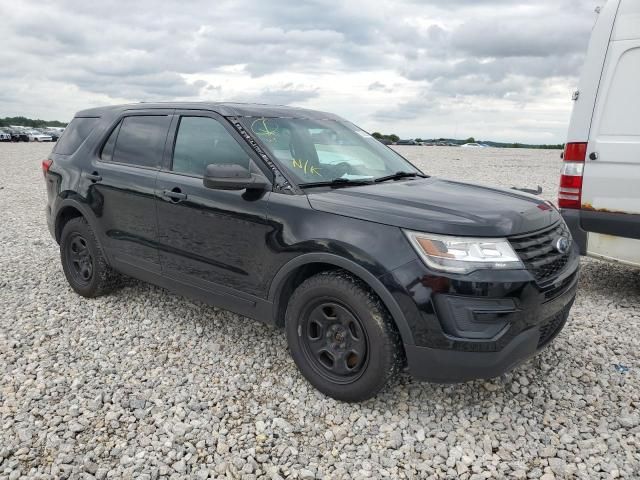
600 182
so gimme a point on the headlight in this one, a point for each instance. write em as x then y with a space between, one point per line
463 254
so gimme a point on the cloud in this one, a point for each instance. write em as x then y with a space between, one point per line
369 60
287 94
379 87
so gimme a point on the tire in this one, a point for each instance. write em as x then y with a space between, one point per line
341 337
83 262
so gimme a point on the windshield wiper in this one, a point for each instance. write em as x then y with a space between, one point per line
399 175
337 183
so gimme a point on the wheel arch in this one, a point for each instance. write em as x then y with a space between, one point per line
69 209
300 268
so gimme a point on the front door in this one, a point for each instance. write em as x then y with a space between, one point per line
212 239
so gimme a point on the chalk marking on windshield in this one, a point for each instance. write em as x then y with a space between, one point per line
303 166
263 131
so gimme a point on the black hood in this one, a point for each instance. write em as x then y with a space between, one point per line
440 206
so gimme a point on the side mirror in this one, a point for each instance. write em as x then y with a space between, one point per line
230 176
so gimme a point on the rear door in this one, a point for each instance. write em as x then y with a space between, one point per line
215 240
122 187
611 182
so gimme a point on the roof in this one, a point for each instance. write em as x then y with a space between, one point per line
227 109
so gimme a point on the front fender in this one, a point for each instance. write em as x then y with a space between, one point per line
366 276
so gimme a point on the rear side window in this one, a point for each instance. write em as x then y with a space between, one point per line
139 140
107 150
75 133
202 141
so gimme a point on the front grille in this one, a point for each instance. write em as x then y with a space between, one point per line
538 251
552 326
557 289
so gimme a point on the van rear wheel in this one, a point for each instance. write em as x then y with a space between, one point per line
341 337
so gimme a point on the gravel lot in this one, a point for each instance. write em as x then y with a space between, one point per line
145 384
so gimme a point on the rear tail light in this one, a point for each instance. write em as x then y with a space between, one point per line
570 192
46 164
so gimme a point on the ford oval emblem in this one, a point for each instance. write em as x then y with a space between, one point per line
562 245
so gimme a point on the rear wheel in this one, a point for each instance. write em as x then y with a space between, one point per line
83 263
341 337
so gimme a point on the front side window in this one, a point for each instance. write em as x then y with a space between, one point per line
140 140
202 141
323 150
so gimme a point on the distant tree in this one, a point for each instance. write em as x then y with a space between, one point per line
470 140
376 135
29 122
393 137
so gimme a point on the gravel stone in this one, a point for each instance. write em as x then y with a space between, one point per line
146 384
306 474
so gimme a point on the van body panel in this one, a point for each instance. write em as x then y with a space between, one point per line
591 71
628 21
610 182
612 248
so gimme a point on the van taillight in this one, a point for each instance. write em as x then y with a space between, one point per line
46 164
570 192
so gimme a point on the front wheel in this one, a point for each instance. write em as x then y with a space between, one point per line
341 337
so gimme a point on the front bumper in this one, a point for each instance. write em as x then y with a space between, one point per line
481 325
449 366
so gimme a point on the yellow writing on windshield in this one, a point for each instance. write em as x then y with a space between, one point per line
306 167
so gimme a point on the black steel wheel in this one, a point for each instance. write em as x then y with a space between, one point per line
341 336
79 259
82 260
334 341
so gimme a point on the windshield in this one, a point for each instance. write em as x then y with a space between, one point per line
325 150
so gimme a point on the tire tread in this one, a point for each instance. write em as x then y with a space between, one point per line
391 351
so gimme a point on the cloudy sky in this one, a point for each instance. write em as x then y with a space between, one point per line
493 69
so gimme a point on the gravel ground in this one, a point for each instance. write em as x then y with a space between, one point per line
145 384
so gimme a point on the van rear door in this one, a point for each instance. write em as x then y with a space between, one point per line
611 180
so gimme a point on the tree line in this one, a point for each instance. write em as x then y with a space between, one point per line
393 138
30 122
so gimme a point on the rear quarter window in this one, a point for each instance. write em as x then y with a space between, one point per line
75 133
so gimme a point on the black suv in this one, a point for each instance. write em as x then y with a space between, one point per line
300 219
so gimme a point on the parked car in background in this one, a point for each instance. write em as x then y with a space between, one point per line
407 142
473 145
599 194
54 134
5 135
18 135
302 220
36 136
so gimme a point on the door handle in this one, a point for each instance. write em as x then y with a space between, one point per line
175 195
94 177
